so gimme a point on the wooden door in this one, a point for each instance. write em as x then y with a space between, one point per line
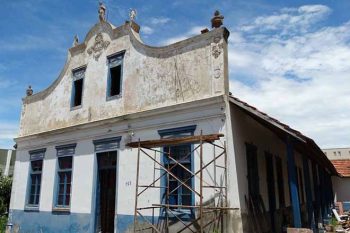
107 190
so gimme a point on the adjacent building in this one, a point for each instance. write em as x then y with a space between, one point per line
340 157
7 161
132 137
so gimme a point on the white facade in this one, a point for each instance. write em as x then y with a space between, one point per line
337 153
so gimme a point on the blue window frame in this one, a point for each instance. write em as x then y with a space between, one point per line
115 74
36 166
64 174
78 86
178 193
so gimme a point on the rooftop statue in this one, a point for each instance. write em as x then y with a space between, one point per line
217 20
132 14
102 12
75 41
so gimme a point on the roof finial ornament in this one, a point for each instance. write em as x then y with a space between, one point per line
29 91
132 14
217 20
75 41
102 11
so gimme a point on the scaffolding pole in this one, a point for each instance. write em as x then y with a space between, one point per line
208 213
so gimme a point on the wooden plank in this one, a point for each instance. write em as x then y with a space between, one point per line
175 141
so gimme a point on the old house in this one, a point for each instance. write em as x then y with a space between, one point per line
131 137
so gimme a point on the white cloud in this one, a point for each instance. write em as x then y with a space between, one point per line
159 20
289 20
196 30
147 30
302 78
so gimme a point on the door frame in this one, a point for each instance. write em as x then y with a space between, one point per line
96 186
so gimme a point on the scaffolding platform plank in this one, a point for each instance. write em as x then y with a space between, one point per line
175 141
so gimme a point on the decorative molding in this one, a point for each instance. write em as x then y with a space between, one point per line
66 150
217 47
79 73
107 144
98 46
217 72
180 130
37 154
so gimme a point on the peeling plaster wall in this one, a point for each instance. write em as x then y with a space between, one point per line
152 78
207 115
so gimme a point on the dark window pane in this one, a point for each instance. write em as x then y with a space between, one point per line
115 81
60 200
33 179
61 189
37 165
78 92
36 202
35 182
31 199
173 200
69 177
67 200
65 162
61 177
173 186
181 154
68 189
185 190
38 190
107 159
186 199
32 189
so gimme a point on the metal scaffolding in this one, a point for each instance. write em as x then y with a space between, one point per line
210 195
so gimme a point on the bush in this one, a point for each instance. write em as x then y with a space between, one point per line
3 223
5 194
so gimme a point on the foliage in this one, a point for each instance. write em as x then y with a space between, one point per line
333 221
3 223
5 193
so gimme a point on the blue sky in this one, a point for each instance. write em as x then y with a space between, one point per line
299 50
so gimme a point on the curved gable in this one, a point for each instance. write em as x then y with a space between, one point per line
152 77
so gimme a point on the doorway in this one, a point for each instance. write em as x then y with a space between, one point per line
106 191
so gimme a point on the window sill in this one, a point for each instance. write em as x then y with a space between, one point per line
30 208
114 97
61 210
76 107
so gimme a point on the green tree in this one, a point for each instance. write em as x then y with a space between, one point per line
5 193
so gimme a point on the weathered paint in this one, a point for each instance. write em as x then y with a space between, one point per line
208 116
33 222
152 78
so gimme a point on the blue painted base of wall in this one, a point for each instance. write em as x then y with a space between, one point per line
124 222
34 222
